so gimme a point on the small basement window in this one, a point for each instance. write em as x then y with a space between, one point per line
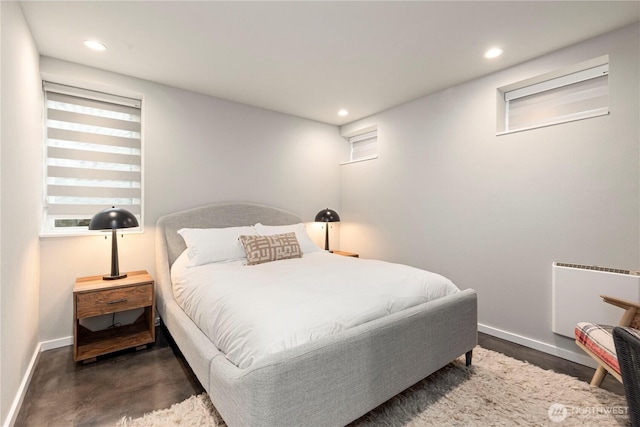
93 157
363 144
577 93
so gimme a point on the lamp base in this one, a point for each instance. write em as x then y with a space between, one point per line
119 276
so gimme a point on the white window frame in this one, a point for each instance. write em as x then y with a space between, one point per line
358 140
49 228
582 72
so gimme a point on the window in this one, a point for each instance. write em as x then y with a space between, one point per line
93 157
363 144
582 92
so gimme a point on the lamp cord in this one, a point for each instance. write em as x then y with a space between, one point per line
114 325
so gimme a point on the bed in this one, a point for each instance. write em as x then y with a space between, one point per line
332 380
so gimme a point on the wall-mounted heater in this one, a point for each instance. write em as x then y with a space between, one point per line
576 295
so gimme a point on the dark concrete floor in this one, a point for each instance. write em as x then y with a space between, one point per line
130 383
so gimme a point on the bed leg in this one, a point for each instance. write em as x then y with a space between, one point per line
468 355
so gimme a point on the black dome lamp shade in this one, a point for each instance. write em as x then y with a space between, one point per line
112 219
327 215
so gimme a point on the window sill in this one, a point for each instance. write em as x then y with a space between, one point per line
359 160
46 235
590 116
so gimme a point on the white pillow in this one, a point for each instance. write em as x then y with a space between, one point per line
207 245
305 242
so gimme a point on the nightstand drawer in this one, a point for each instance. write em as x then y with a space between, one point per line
113 300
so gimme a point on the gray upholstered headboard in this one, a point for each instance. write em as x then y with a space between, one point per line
217 215
169 244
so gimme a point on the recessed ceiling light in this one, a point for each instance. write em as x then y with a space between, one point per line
343 113
493 53
92 44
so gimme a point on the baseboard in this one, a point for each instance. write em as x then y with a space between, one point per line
57 343
538 345
22 390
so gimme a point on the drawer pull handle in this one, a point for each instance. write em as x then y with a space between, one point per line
117 301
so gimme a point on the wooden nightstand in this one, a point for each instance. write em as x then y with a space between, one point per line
345 253
93 296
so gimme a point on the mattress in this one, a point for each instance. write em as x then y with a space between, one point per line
249 312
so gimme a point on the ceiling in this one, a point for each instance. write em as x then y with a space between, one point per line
311 59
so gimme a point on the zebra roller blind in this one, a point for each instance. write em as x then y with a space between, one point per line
364 146
574 96
93 157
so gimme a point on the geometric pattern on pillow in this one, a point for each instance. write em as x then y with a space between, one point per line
261 249
598 339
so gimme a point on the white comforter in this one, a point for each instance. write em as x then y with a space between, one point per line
249 312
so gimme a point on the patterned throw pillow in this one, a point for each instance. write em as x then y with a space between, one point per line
261 249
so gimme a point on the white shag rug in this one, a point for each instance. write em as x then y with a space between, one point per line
495 391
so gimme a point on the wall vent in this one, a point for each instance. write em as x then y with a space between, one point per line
576 291
597 268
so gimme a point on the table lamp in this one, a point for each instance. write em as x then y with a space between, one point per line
327 215
112 219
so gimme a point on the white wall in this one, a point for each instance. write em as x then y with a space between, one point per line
20 201
446 194
493 213
197 150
